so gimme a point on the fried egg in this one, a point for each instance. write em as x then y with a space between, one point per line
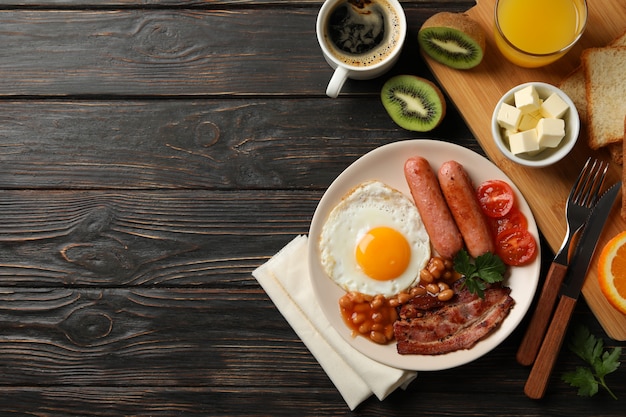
374 241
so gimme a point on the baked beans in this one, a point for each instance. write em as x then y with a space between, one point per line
372 316
369 316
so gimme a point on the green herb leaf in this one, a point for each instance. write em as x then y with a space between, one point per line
491 268
583 379
585 345
591 350
486 269
463 263
608 363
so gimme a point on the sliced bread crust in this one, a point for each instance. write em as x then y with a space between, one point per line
605 92
574 86
574 83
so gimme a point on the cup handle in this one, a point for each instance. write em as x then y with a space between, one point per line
336 82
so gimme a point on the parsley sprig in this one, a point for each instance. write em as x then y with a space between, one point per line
591 350
485 269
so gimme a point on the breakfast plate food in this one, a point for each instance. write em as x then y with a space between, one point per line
386 164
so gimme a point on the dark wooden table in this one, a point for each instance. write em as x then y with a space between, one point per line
153 154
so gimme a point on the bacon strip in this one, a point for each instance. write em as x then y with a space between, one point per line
457 324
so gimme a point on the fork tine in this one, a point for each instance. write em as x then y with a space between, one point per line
595 195
596 180
591 181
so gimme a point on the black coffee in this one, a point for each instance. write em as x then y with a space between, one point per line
356 29
362 33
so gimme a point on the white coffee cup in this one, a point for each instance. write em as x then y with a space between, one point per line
369 55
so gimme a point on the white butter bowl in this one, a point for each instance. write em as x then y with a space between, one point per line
548 156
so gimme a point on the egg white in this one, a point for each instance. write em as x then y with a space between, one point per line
371 204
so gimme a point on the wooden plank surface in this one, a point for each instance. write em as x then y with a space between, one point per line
476 92
177 52
192 143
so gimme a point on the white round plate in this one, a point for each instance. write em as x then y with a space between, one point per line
387 164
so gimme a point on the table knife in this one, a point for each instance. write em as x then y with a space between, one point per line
542 368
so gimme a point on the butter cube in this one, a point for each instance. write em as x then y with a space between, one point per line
550 132
525 141
529 120
506 134
553 106
527 99
509 116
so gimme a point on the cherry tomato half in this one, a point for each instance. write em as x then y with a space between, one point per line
496 198
514 219
516 247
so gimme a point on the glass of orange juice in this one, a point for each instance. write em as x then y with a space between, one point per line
534 33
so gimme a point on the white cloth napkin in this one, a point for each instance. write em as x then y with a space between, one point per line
285 278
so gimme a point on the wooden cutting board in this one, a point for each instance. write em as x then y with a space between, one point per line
475 94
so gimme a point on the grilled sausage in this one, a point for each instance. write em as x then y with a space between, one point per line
443 231
459 193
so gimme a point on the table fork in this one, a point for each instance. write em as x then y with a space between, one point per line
582 198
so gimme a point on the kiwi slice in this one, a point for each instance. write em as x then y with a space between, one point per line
454 39
414 103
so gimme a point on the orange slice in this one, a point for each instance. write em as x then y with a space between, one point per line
612 272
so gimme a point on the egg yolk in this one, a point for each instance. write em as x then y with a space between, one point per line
383 253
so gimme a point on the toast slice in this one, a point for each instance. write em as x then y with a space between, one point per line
574 83
574 86
605 91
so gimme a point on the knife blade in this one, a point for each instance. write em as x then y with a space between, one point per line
542 368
